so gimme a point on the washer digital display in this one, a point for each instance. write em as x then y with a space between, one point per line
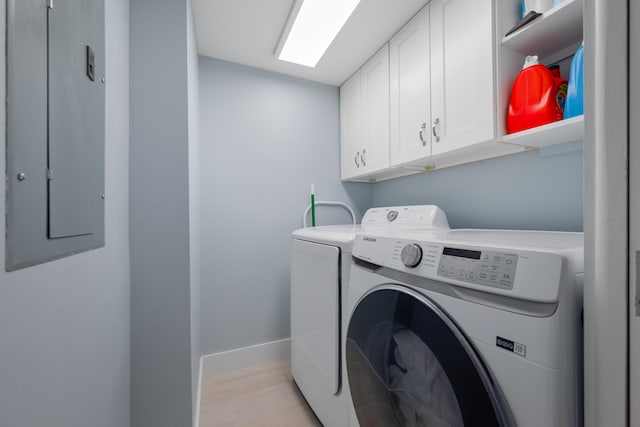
463 253
487 268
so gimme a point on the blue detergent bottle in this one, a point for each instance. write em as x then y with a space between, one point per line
574 106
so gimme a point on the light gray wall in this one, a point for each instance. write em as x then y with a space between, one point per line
264 137
161 356
539 190
194 202
64 325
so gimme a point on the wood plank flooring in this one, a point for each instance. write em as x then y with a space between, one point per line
262 396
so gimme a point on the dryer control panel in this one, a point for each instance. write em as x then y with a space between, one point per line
405 217
479 267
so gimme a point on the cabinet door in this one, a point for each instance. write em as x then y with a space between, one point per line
351 127
375 108
410 90
462 84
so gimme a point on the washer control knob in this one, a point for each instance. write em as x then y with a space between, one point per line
411 255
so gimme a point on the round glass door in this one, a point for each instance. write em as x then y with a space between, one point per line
408 364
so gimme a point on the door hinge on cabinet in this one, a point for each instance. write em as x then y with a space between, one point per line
49 174
50 4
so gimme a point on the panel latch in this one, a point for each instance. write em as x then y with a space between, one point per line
91 64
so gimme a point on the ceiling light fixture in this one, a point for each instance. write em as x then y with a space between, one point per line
310 29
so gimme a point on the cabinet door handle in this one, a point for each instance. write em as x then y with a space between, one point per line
362 157
421 133
433 129
355 159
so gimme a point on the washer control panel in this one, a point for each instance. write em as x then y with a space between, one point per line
487 268
453 257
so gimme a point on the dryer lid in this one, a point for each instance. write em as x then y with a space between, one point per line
341 236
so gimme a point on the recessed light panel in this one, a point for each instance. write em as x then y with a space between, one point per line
316 25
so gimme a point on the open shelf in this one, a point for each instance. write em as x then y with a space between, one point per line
554 133
556 29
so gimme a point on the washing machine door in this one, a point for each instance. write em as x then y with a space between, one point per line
408 364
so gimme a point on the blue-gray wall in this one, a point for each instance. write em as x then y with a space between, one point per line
64 325
161 347
264 137
539 190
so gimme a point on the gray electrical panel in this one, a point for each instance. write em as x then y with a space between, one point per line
55 129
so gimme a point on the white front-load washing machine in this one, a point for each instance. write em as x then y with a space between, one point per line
465 328
320 268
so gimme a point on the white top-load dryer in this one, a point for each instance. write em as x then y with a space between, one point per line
320 268
465 328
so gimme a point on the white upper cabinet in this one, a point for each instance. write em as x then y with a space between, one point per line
410 91
450 72
351 126
364 109
442 80
462 74
375 100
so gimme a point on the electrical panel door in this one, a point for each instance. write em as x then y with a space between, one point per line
76 117
55 129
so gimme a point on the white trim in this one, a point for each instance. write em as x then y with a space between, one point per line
196 420
215 364
605 213
634 212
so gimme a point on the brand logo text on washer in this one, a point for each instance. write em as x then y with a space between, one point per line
512 346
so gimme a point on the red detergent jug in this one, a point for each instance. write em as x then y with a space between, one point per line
560 88
533 98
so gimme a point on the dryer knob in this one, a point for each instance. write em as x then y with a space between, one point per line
411 255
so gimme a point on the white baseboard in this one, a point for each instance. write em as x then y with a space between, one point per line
215 364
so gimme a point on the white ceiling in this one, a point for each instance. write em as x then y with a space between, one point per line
247 32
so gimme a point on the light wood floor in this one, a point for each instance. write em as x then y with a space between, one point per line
263 396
